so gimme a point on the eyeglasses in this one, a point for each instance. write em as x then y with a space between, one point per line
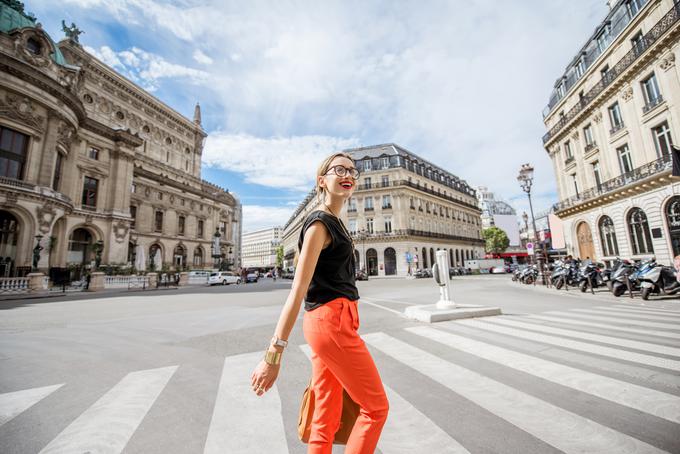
342 171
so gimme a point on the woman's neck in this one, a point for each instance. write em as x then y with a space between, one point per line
334 204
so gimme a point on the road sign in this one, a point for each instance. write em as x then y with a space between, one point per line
530 248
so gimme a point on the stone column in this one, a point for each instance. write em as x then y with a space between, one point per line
183 279
153 279
36 283
96 281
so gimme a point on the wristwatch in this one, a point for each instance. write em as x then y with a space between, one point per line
279 342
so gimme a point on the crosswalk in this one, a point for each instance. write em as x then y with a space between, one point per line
486 365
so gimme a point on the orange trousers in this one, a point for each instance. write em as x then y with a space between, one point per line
340 360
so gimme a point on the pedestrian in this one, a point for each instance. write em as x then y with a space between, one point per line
340 359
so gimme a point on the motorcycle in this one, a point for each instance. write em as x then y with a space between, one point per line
621 278
589 276
564 273
655 278
529 275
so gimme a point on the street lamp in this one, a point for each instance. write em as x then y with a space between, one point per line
526 179
361 236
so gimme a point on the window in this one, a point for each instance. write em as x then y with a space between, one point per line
367 165
198 257
33 46
159 195
186 165
167 156
603 38
634 6
90 192
650 89
369 225
575 183
93 153
158 225
58 167
608 237
352 204
597 174
662 139
560 93
388 225
180 225
625 159
411 204
133 188
580 67
223 229
588 135
385 181
352 226
386 201
640 238
13 150
368 203
615 117
385 163
133 215
604 72
367 182
199 229
637 43
568 155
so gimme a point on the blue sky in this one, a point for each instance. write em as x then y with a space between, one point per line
282 84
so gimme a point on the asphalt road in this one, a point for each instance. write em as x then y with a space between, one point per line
168 371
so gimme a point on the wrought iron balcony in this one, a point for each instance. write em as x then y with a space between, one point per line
387 206
369 209
652 104
423 188
590 146
351 210
658 30
640 173
411 232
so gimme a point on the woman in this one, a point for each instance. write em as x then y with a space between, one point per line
325 277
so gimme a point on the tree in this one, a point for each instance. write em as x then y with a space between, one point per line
497 240
279 256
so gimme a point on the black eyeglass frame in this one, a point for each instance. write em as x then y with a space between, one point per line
346 171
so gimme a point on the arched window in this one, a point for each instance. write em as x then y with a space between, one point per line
640 238
673 223
608 237
198 256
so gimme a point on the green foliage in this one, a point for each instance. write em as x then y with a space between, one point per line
279 256
497 240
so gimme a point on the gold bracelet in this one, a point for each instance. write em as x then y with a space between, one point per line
272 358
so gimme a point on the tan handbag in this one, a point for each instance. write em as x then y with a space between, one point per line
350 411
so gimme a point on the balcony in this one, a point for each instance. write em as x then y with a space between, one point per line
412 232
658 30
569 160
387 207
25 187
351 210
364 187
661 165
652 104
616 128
590 146
369 209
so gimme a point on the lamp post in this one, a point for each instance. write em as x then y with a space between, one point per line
36 252
526 179
361 236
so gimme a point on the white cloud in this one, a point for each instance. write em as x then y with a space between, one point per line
202 58
257 217
279 162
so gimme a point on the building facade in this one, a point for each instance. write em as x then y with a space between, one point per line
259 248
94 168
612 119
403 210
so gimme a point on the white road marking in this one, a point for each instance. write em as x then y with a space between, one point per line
604 326
560 428
640 311
617 341
576 345
663 405
108 424
658 318
613 319
242 422
380 306
405 428
14 403
644 308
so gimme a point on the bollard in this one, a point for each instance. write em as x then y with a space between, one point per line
440 272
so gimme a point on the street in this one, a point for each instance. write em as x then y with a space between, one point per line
169 371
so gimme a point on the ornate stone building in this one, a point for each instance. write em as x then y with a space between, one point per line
404 208
611 121
91 164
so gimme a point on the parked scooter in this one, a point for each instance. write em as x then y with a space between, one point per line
564 273
622 277
589 276
655 278
608 272
529 275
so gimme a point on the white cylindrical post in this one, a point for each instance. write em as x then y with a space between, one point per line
445 300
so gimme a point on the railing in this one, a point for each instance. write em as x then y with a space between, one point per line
652 104
661 27
126 282
412 232
569 160
616 128
17 183
351 210
590 146
387 207
14 285
369 209
660 165
44 191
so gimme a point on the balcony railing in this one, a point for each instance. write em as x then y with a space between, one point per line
412 232
652 168
387 206
590 146
369 209
661 27
616 128
652 104
351 210
41 190
569 160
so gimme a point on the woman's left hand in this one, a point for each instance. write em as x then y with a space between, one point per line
264 376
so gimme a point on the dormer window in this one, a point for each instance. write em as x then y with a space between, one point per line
34 46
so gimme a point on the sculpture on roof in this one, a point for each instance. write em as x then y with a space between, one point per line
72 32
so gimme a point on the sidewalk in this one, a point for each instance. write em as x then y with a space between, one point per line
79 294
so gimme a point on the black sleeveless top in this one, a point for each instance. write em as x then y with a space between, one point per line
334 273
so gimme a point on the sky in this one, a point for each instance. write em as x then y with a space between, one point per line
282 84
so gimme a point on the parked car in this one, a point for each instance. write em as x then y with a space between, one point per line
223 278
361 275
251 277
498 270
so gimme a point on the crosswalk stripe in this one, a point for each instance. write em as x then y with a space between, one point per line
637 345
560 428
613 319
242 422
663 405
605 326
645 307
658 318
108 424
14 403
639 311
576 345
405 427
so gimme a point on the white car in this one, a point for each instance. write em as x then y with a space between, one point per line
224 278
